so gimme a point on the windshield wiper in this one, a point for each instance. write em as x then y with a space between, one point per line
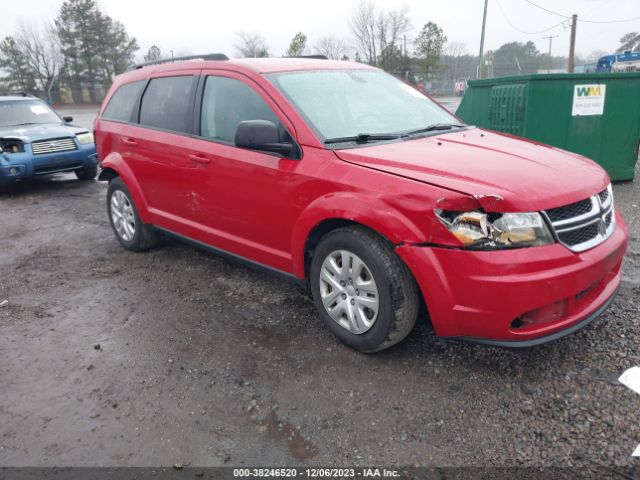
27 123
436 126
366 137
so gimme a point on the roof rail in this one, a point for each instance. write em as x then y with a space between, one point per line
17 93
315 56
206 56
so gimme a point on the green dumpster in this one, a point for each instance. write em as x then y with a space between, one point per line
596 115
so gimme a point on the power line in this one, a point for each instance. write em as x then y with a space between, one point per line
546 9
581 19
524 31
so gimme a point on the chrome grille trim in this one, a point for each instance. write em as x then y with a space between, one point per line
580 218
601 214
53 145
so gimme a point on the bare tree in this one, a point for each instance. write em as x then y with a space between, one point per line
378 35
391 26
455 49
154 53
363 26
252 45
332 47
40 49
453 56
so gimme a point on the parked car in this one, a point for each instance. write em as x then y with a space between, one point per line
35 141
348 180
608 62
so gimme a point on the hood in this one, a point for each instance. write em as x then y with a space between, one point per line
31 133
502 172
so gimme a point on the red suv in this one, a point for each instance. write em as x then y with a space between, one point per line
352 182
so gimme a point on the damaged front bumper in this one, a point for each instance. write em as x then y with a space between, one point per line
22 165
520 297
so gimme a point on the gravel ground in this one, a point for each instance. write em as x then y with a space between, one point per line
180 356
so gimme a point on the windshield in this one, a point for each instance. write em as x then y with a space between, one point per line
344 103
26 112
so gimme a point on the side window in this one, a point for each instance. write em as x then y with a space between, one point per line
225 103
167 103
123 101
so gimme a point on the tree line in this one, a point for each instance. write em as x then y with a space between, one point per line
79 53
383 38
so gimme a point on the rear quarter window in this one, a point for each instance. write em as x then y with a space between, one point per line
123 101
167 103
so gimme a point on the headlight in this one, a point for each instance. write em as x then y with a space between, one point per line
479 230
84 138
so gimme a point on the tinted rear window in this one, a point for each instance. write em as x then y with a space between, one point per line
167 103
122 102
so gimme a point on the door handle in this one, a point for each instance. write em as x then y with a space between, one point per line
199 159
129 142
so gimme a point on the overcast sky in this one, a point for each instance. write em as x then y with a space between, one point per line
209 26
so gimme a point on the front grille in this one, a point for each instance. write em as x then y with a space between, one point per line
579 235
604 195
582 225
53 145
570 211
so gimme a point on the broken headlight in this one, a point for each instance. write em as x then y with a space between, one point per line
479 230
10 145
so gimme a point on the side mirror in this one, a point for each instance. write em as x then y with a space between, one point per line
261 135
67 119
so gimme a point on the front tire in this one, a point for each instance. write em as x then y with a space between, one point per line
87 174
365 294
125 221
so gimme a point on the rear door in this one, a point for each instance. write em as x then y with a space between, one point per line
114 127
159 158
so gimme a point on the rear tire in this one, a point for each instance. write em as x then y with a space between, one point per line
125 221
352 256
87 174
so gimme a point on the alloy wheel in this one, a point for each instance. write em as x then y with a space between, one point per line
124 220
348 291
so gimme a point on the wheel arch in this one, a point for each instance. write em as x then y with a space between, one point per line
114 166
329 213
107 174
319 231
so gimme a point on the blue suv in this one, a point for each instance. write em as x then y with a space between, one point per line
34 141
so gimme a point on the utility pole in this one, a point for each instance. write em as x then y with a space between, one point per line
572 47
550 37
484 24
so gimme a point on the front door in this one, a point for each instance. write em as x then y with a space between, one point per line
244 197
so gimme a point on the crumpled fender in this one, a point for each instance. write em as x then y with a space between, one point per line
489 203
371 211
115 161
